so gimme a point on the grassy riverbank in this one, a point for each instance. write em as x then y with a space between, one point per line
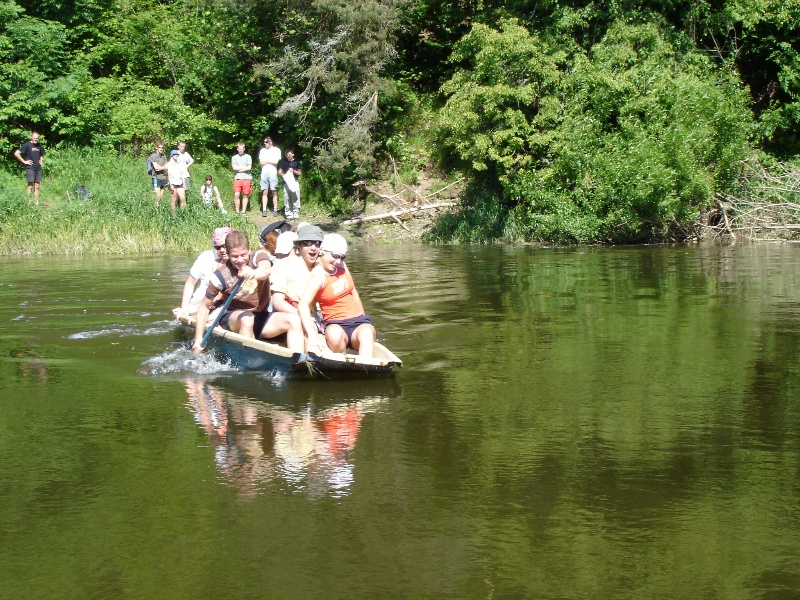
121 217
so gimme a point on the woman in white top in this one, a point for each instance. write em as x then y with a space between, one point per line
176 172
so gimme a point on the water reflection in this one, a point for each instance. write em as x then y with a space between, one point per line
31 365
306 444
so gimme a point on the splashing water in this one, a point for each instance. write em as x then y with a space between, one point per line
124 331
183 360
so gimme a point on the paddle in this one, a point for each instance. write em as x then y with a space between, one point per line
210 330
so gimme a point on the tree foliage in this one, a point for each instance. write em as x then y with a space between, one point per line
334 66
619 144
583 119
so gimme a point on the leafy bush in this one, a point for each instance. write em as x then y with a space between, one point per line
624 144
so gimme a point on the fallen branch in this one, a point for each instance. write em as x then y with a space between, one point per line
403 225
382 196
723 207
396 213
444 188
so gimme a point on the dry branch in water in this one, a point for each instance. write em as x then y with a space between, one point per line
403 208
768 206
396 213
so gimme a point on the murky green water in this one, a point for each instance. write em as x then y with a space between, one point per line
581 423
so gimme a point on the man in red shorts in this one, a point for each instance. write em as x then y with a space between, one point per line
242 164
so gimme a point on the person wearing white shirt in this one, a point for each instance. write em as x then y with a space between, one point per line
269 157
176 175
187 160
200 273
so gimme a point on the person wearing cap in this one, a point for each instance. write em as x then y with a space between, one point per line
197 281
176 173
241 164
290 276
275 245
331 285
284 245
246 314
268 237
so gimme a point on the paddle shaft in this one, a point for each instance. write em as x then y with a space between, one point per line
213 325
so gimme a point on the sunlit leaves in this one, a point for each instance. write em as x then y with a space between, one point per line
499 106
620 144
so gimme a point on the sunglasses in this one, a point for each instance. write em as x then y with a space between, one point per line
335 256
222 247
308 243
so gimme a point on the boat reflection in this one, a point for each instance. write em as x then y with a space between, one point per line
303 441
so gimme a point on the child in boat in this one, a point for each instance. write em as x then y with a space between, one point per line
331 285
246 314
197 281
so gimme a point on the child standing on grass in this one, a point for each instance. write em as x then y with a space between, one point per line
208 192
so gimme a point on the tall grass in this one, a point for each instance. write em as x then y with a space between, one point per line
121 216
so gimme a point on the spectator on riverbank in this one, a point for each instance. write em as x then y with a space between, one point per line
158 164
269 157
291 170
176 174
208 192
187 160
31 154
242 165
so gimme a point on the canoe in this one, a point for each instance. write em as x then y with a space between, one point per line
259 355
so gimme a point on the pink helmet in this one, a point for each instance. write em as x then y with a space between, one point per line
220 233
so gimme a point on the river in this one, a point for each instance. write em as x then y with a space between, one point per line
569 423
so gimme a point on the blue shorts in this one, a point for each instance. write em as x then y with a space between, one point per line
350 325
159 183
269 181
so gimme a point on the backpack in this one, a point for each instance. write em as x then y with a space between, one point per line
150 166
83 193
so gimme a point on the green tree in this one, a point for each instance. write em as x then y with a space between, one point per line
33 54
334 68
626 143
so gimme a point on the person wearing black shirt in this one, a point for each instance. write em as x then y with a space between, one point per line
30 154
290 169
